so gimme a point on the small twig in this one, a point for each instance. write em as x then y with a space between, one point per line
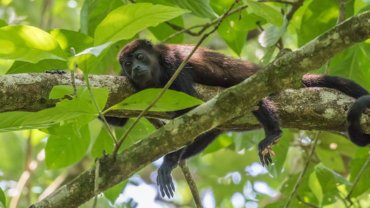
342 11
73 53
178 28
357 179
203 27
191 183
96 183
101 116
300 177
169 83
22 182
25 177
295 7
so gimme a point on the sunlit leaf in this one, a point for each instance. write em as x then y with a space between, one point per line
68 39
27 43
126 21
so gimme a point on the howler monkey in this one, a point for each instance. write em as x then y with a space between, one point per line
151 66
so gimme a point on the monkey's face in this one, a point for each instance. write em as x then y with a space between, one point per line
142 68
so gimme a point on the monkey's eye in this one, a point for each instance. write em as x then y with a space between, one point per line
140 56
127 64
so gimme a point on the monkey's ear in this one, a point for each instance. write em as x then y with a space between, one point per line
148 44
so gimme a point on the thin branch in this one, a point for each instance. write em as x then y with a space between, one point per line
191 183
342 11
203 27
25 177
101 116
178 28
295 7
169 83
300 177
357 179
23 180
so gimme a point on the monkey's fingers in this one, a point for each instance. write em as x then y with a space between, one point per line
265 155
165 183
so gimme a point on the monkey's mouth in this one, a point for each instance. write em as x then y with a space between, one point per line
139 74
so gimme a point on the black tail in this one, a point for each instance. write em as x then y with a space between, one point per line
349 88
354 128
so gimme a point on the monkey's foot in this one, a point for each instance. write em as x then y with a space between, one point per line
164 180
265 151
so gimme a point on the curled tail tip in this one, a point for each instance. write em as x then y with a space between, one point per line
355 131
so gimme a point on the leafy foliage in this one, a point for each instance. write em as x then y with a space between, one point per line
227 172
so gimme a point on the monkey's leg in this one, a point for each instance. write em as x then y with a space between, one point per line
170 161
115 121
272 130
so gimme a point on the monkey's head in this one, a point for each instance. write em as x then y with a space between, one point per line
139 62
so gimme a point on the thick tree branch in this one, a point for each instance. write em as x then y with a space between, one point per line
284 72
306 108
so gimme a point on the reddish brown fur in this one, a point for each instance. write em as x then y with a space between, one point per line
210 67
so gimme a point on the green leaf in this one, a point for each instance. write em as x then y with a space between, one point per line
353 64
200 8
233 36
331 158
113 193
93 12
163 30
141 130
268 13
27 43
2 198
66 110
68 39
2 23
103 144
315 186
271 35
356 164
329 180
5 65
66 145
126 21
83 96
170 101
317 18
222 141
39 67
88 59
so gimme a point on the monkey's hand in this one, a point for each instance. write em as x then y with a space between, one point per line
265 148
164 179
